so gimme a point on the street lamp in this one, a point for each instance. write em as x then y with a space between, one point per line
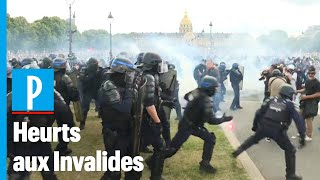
110 18
70 3
210 35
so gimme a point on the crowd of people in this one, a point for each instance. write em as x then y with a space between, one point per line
138 94
134 102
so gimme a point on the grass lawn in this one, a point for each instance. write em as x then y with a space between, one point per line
184 165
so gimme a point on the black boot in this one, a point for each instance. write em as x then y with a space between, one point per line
82 125
291 168
237 152
48 176
63 149
169 152
245 145
207 167
111 176
157 161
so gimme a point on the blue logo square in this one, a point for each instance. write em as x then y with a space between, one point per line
32 90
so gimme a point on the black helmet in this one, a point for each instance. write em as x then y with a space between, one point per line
26 61
139 58
209 84
150 61
46 63
222 66
59 64
235 66
276 73
287 91
92 64
15 63
121 65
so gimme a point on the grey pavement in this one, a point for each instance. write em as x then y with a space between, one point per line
268 156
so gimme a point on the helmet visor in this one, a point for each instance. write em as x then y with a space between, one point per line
162 67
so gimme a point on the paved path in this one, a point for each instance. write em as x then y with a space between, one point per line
267 156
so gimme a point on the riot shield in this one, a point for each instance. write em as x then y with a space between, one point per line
168 79
138 111
77 110
76 105
241 69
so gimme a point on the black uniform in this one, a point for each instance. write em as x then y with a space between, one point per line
89 83
168 85
65 87
150 131
198 111
150 64
272 120
69 93
30 148
116 98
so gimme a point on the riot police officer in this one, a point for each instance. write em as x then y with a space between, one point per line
116 97
168 83
15 63
151 65
198 111
89 82
273 120
69 92
46 63
28 148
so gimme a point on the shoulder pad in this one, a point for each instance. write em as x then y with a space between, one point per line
108 85
109 93
267 101
66 79
192 95
149 78
150 86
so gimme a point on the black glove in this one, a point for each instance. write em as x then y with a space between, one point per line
156 128
169 104
227 118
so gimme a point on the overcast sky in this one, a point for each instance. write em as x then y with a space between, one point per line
252 16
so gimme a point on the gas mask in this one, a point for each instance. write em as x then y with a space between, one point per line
129 77
211 92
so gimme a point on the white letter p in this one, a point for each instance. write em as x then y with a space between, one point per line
30 94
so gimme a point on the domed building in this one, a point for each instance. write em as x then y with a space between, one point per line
185 24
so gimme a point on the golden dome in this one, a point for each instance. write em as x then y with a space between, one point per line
185 24
186 20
